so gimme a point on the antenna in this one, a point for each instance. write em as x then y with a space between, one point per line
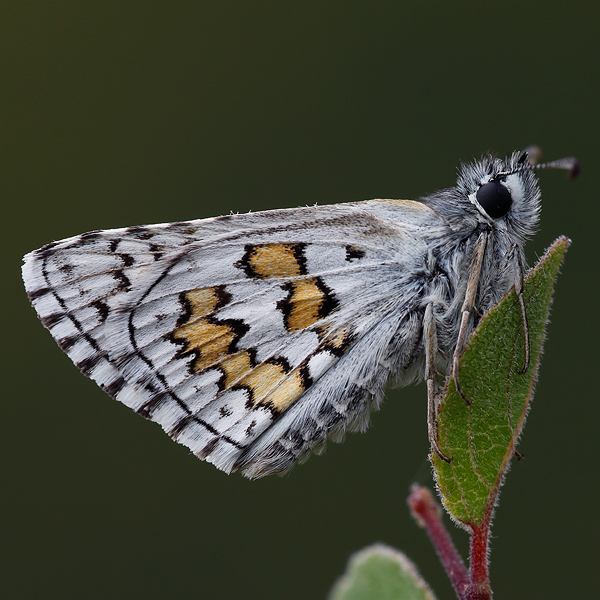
569 163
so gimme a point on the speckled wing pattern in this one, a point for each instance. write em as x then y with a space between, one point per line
251 338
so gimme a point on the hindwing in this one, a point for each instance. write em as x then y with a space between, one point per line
248 338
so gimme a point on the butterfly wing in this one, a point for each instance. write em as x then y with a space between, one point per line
249 338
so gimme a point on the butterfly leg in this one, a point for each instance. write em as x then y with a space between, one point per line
467 307
431 350
514 255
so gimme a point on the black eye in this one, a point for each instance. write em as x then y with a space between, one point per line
495 199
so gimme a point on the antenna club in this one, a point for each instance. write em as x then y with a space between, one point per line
569 163
575 168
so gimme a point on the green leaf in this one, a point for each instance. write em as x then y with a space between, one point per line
481 438
379 572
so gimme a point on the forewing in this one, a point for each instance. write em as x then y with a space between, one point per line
229 332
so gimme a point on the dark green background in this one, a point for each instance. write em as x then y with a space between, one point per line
123 113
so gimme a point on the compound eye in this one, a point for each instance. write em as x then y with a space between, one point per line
495 199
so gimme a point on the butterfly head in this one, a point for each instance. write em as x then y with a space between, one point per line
505 193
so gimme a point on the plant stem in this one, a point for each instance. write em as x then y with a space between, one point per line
469 585
427 512
479 587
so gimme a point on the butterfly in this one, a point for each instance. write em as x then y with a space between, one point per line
253 338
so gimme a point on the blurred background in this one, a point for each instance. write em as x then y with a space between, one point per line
125 113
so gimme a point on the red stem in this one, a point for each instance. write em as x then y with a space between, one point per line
479 588
469 585
428 514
